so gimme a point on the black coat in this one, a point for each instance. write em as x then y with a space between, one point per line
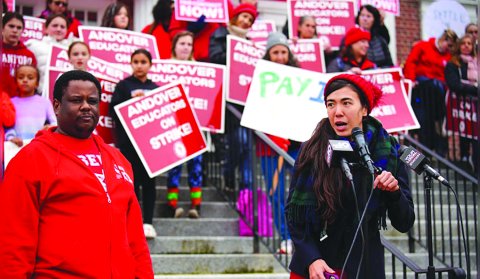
454 76
217 51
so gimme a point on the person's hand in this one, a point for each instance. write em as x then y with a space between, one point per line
356 70
386 182
317 268
17 141
197 26
327 46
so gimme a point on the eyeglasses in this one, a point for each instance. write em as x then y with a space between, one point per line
60 3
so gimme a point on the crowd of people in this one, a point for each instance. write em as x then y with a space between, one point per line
435 66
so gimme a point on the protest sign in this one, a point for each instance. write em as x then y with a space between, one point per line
192 10
162 127
10 5
242 56
462 117
333 17
388 6
34 28
260 30
116 45
394 109
309 54
288 102
203 84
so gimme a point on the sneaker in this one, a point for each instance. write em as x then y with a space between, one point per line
149 231
194 212
178 212
286 247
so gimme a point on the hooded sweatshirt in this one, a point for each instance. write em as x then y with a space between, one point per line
58 221
12 58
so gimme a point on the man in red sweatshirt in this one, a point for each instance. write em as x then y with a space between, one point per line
67 204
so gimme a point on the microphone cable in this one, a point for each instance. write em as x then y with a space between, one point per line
359 228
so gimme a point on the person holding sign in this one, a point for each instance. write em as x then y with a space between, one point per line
353 57
136 85
78 55
324 207
56 32
33 112
15 53
182 49
369 19
241 20
72 212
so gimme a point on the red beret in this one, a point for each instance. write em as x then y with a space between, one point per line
372 93
245 8
356 34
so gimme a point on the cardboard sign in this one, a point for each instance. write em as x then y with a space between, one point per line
394 109
34 28
388 6
333 17
10 5
260 30
242 56
288 102
116 45
191 10
162 127
462 116
203 84
309 54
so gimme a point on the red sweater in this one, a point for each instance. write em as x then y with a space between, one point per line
426 60
12 57
7 120
164 42
56 221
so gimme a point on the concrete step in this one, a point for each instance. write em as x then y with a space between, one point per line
227 276
202 245
215 264
438 225
196 227
402 243
208 209
449 212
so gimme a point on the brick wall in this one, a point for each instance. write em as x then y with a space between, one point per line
408 26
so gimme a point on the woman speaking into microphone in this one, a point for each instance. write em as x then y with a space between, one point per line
324 208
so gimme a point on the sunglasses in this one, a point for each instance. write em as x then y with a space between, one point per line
60 3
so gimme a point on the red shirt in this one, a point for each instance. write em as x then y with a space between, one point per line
12 58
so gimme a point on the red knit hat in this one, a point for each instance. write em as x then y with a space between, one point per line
356 34
245 8
372 93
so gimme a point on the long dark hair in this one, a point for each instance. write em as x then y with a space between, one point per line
328 183
11 15
108 19
162 13
376 17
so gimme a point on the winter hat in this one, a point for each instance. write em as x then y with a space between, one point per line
245 8
356 34
370 91
276 39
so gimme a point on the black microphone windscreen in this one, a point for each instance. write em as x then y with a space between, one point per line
414 159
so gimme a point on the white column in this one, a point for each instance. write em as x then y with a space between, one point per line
142 13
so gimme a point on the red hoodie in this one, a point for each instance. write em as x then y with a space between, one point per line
426 60
56 221
12 58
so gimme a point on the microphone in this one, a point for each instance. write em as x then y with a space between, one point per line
337 150
419 163
362 149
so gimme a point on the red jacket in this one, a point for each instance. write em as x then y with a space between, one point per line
12 57
201 41
164 43
7 120
56 221
425 60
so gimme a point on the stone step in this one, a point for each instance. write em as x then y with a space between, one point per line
202 245
438 225
468 211
214 264
208 209
196 227
402 243
284 275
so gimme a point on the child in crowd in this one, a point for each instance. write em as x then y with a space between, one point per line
78 55
33 112
56 32
116 16
15 53
136 85
182 49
